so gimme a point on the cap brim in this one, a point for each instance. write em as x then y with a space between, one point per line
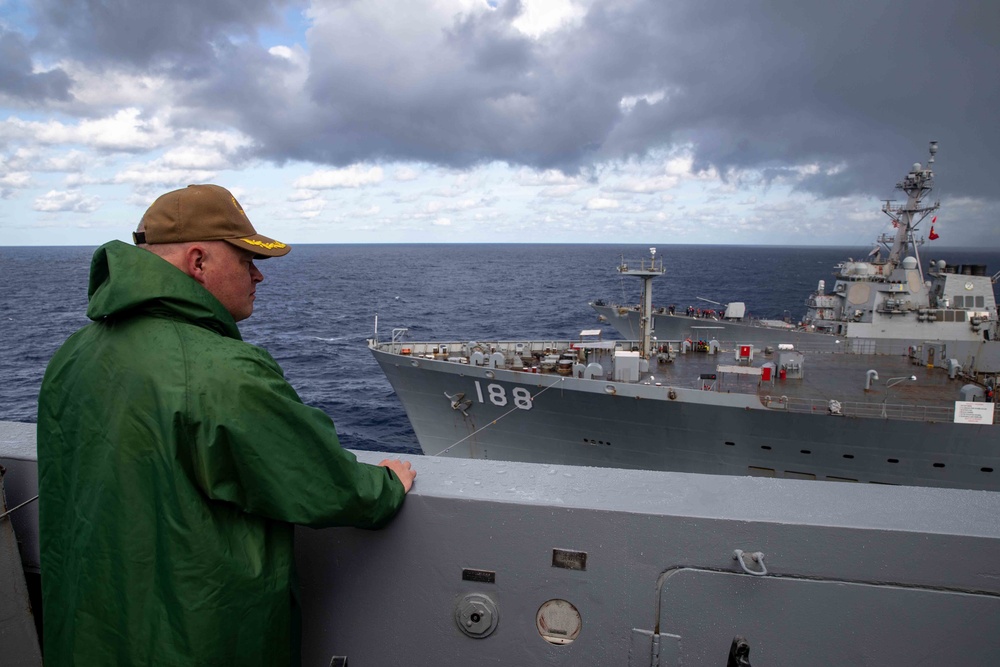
261 245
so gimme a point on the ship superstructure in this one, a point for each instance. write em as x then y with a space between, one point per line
892 294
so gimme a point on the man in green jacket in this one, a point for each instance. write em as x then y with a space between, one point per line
174 458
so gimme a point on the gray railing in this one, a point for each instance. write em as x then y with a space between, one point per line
923 413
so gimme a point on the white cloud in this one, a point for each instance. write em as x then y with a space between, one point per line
628 102
301 195
355 176
70 200
153 173
71 161
861 216
601 204
206 150
194 157
539 17
109 87
406 174
310 207
531 177
438 206
442 222
560 191
38 159
315 204
16 179
679 165
126 130
643 186
281 52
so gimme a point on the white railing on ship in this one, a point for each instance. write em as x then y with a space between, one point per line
830 345
923 413
862 346
508 348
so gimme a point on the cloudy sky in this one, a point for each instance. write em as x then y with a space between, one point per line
606 121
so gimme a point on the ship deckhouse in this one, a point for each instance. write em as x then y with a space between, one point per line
892 297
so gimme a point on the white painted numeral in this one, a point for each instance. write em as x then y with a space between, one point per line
498 395
522 398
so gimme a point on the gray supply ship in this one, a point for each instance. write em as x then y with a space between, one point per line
895 387
889 295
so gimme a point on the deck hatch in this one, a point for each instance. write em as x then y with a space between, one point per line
788 618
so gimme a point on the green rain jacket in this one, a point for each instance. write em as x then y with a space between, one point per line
173 460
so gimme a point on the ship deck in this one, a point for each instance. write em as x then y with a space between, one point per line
826 376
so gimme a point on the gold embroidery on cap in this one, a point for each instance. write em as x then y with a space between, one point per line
238 207
262 244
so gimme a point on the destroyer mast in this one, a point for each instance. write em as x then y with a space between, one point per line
907 217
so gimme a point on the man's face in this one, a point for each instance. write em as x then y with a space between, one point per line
231 277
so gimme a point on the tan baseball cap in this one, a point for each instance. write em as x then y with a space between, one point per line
204 213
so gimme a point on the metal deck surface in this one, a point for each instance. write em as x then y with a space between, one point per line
826 376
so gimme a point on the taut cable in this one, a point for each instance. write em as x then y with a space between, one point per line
512 410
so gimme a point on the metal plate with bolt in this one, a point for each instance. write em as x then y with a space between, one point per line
477 615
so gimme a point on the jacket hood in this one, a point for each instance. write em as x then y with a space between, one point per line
126 280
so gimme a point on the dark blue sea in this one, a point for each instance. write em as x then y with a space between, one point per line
317 306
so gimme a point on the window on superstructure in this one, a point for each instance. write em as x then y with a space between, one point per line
959 315
949 316
959 302
980 302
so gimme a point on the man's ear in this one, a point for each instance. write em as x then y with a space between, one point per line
194 262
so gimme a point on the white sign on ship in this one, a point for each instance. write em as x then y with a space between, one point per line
971 412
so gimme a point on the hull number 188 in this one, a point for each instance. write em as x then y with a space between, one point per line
497 395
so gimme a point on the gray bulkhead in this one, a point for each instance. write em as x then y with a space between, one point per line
515 564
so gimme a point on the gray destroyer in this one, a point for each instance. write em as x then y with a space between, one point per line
909 402
889 295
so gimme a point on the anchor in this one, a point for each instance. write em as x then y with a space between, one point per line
459 402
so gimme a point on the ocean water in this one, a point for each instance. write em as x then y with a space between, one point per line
318 304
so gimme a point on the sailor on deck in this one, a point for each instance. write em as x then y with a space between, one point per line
174 457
